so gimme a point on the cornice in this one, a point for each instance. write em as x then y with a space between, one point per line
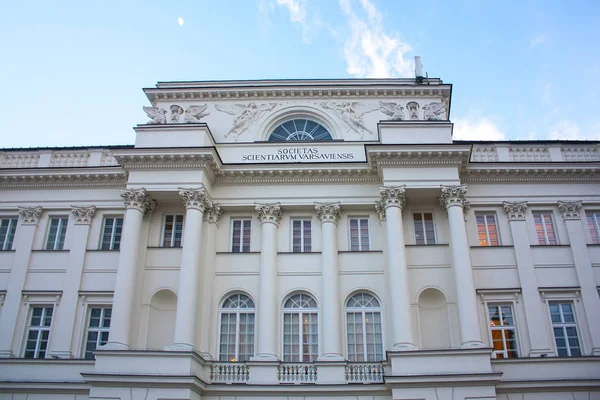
111 177
305 175
505 173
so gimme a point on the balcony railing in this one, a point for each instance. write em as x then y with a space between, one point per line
365 372
229 372
297 373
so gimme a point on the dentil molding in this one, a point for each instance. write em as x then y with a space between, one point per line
570 209
270 212
515 210
83 215
197 198
30 215
454 195
328 212
138 199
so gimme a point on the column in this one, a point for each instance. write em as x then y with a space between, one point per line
16 282
329 214
534 313
60 346
453 200
207 277
196 202
137 203
583 266
269 215
392 199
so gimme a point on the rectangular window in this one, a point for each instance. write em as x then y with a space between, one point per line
359 234
565 329
487 229
56 233
544 227
111 233
502 331
8 227
424 228
240 235
173 230
38 332
593 220
97 332
301 236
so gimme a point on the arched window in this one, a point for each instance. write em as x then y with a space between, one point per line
364 329
299 130
236 339
300 329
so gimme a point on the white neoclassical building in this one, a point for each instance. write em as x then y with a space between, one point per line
304 239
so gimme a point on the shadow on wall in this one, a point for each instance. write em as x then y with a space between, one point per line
434 321
161 325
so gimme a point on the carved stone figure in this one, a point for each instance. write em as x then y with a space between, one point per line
394 110
194 114
158 116
435 111
176 112
351 113
244 115
413 110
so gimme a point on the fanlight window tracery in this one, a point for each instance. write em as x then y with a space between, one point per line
300 329
236 337
364 328
299 130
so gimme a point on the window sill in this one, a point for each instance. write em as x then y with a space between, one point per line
109 250
298 252
50 251
360 251
164 247
549 245
241 252
491 247
428 245
7 251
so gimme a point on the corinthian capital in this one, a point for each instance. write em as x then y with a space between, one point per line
213 214
570 209
83 215
515 210
138 199
270 212
328 212
30 215
454 196
198 199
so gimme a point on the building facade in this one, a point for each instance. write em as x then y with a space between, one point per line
307 239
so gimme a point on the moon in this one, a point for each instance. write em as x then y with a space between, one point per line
180 21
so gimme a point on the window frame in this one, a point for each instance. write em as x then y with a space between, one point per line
301 312
237 311
360 243
303 221
242 237
99 329
545 230
593 217
172 243
564 325
40 328
435 239
363 310
502 328
111 245
486 215
13 222
60 218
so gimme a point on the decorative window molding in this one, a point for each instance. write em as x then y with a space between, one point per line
40 307
299 129
565 328
98 326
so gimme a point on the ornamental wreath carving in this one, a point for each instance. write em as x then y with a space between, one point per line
328 212
515 210
83 215
454 195
570 209
138 199
198 198
30 215
270 212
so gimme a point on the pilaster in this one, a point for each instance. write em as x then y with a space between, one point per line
29 219
453 199
539 340
392 199
570 211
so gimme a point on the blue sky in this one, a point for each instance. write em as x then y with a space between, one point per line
72 71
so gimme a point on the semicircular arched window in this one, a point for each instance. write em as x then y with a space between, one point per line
299 129
300 329
364 328
236 336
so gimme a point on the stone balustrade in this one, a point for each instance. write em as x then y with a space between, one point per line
543 152
297 373
365 372
55 158
228 372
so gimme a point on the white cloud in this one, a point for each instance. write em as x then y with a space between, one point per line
570 130
537 41
476 129
297 10
370 52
